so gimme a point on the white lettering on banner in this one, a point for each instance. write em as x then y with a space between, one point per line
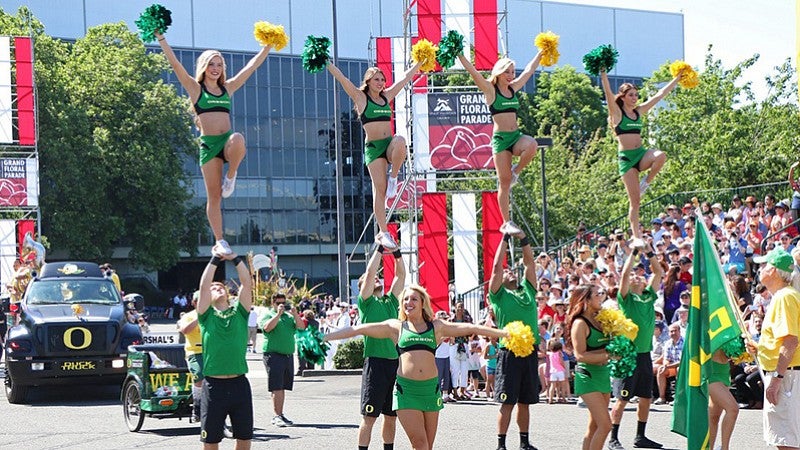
465 120
471 98
12 168
160 338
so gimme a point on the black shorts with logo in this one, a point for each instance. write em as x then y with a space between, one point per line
225 397
516 379
377 386
640 384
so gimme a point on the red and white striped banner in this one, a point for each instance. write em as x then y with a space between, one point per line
18 68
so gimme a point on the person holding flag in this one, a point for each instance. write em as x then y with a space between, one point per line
713 325
776 350
636 298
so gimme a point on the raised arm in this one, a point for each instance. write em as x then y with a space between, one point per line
187 81
456 329
528 261
482 83
399 84
625 276
656 268
648 105
351 89
239 79
399 281
527 73
204 300
368 286
388 329
614 113
496 280
246 282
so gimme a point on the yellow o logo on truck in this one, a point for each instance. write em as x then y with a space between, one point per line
87 338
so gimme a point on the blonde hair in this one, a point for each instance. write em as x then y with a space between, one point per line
427 310
499 68
202 65
368 75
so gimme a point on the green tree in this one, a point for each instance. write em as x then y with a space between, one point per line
113 138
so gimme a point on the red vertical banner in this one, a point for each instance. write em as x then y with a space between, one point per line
384 61
23 54
23 227
434 268
429 20
388 260
485 12
492 219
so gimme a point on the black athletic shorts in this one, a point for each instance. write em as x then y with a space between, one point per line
377 386
516 379
225 397
640 384
280 371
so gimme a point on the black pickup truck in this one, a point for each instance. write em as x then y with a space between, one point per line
72 329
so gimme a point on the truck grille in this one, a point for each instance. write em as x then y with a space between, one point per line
79 338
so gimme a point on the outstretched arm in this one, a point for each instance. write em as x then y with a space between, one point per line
399 84
648 105
351 89
482 83
190 84
388 329
614 113
526 74
368 286
625 282
456 329
239 79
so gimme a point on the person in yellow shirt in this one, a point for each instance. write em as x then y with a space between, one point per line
776 350
188 326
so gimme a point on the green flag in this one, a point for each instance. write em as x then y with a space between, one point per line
712 323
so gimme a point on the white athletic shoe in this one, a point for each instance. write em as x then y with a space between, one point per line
386 240
637 243
510 228
643 185
391 187
281 421
228 185
221 248
514 175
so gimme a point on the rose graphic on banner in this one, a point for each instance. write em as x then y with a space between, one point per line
417 187
13 193
462 148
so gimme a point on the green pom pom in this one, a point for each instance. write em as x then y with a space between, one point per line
625 352
154 18
315 53
450 47
310 345
602 57
734 348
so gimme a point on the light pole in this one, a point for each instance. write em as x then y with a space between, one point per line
543 143
340 235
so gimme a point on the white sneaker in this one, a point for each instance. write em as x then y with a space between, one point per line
637 243
510 228
643 185
221 248
386 240
391 187
281 421
514 175
228 185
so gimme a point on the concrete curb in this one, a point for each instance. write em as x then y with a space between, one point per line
332 372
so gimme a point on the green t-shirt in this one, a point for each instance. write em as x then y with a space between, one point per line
510 306
377 309
224 340
641 310
281 338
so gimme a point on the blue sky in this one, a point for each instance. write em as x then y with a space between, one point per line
736 28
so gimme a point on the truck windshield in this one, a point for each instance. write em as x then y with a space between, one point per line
56 292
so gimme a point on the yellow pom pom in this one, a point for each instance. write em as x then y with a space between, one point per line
269 34
425 51
520 339
548 44
615 323
688 77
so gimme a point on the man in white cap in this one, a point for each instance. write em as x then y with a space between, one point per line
719 214
776 350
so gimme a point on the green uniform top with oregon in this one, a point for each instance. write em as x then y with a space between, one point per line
377 309
510 306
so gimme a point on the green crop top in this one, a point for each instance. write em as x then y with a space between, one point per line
209 102
374 112
411 340
628 125
596 339
503 104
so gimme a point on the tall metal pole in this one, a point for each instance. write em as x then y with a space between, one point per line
340 236
544 201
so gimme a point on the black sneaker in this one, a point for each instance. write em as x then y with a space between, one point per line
614 444
643 442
